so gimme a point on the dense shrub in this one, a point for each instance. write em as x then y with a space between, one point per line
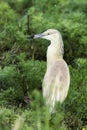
68 17
31 75
75 105
23 78
22 65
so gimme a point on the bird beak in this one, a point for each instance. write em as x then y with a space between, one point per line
36 36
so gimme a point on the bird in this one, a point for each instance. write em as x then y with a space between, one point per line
56 81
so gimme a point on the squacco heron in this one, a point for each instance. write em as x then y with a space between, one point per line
57 77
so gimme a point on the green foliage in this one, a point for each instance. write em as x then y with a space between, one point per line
66 16
75 105
22 64
7 76
7 117
69 18
5 26
23 78
38 117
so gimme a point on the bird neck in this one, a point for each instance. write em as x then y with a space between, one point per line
54 52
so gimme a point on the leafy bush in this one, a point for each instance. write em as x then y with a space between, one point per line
22 65
23 78
37 117
75 105
68 17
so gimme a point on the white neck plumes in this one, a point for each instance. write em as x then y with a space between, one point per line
55 50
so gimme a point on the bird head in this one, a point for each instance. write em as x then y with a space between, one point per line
50 34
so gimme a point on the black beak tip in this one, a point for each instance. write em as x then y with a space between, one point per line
31 37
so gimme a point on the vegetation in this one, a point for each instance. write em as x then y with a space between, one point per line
23 64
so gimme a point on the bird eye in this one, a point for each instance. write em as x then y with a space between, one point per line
48 33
